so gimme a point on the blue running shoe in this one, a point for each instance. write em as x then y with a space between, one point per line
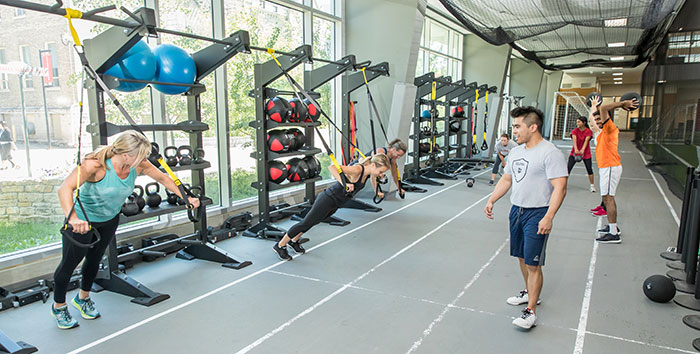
86 307
63 318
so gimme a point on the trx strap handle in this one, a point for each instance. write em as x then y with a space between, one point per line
475 116
297 88
485 145
77 239
377 181
80 50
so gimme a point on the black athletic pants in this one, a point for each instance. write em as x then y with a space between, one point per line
72 255
324 206
587 162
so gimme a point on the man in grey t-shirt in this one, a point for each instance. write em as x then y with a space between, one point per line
537 171
502 150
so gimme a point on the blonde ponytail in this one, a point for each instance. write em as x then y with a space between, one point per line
130 142
380 160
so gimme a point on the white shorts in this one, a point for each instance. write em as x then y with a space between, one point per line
609 179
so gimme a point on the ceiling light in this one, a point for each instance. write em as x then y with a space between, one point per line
617 58
618 82
617 78
603 72
617 68
616 22
661 82
617 74
616 44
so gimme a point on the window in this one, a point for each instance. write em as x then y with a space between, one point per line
20 12
4 81
441 50
324 5
54 64
683 47
25 53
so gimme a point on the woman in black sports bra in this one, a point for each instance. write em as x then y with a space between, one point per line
328 201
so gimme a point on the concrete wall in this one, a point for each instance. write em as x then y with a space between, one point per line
525 80
486 64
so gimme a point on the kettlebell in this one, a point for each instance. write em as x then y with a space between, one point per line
470 182
155 153
170 154
184 153
578 158
199 156
196 191
138 192
130 208
172 197
153 199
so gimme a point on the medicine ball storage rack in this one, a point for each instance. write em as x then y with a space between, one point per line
461 97
434 88
103 51
265 74
350 83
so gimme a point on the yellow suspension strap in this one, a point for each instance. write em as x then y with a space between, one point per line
92 74
433 113
475 116
484 145
297 90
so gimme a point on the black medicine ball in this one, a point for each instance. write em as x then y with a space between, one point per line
591 95
458 112
278 109
296 138
314 166
277 171
313 113
629 96
455 124
659 288
297 170
298 111
278 141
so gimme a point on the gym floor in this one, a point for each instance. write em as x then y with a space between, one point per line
429 274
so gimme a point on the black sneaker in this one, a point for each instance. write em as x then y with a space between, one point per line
491 183
296 247
609 238
606 230
282 252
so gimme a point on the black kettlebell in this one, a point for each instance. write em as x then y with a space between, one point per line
470 182
184 153
138 192
170 154
172 197
198 156
153 199
578 158
130 208
155 154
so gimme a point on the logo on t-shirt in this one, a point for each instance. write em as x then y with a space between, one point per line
520 169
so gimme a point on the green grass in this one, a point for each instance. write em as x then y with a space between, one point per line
15 236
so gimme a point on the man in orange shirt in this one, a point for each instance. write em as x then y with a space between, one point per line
608 160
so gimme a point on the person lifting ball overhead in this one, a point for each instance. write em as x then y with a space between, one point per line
107 177
330 200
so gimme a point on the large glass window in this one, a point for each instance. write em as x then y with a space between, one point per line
24 222
683 47
440 50
4 81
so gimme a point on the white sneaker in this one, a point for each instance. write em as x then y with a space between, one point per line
592 189
527 320
520 299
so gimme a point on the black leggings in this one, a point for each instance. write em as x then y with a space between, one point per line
323 207
587 162
72 255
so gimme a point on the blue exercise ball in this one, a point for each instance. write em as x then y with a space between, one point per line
425 114
174 65
138 63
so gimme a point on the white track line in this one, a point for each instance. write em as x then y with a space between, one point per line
586 303
226 286
668 203
427 331
642 343
350 284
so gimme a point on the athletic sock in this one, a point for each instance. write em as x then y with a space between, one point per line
613 228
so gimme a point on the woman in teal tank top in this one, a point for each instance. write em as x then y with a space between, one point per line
107 178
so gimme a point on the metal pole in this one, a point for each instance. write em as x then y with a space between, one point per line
43 93
566 117
554 106
26 132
